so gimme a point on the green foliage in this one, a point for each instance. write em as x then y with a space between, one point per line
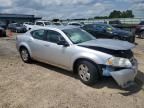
123 14
117 14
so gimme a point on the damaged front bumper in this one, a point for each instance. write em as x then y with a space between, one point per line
125 77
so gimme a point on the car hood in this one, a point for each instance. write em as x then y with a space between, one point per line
108 44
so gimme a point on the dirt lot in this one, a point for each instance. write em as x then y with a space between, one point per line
39 85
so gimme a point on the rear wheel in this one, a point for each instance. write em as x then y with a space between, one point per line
88 72
25 55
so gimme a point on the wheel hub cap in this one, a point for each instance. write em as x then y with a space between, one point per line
24 55
84 72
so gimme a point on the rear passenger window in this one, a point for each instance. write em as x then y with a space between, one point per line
38 34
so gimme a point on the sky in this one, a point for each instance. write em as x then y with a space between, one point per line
66 9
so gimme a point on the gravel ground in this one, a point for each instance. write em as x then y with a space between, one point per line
39 85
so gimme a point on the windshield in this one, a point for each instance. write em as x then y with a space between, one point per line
109 27
77 35
105 26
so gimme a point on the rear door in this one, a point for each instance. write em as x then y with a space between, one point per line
38 45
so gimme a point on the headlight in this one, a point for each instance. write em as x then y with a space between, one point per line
119 62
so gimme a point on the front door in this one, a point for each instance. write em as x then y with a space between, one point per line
58 54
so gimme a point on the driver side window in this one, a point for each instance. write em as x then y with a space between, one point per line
53 36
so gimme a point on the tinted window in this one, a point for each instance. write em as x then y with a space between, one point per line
76 24
98 27
39 23
39 34
88 27
53 36
103 26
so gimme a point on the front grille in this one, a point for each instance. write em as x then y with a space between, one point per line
123 53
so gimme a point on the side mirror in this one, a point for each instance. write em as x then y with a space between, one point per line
63 42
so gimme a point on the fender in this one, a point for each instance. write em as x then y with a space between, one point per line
90 56
25 45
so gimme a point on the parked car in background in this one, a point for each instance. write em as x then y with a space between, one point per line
18 28
2 32
28 25
57 23
140 30
43 23
76 24
107 31
3 25
115 23
76 50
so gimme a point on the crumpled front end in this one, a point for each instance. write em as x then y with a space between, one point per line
123 76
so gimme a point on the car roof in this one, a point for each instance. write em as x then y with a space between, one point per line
103 24
61 27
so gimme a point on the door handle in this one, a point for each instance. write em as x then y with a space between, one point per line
46 45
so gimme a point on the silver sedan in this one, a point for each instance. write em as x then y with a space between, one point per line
76 50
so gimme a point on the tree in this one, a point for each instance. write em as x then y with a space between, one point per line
123 14
115 14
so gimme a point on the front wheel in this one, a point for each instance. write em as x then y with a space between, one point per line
25 55
88 72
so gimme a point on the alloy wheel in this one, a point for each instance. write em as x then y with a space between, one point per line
84 72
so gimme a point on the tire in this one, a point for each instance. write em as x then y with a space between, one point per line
25 56
88 72
142 35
